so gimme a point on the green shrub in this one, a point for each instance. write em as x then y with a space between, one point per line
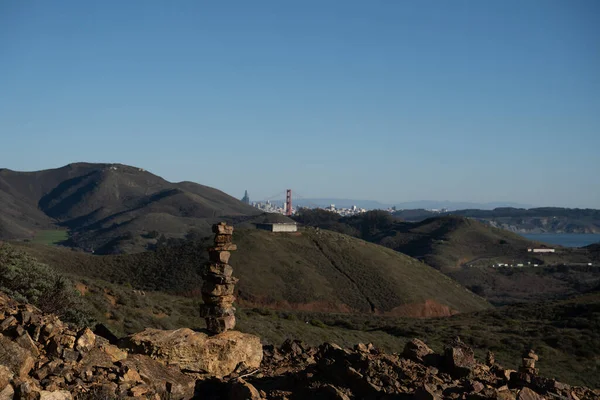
318 323
25 279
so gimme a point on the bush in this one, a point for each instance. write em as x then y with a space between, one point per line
25 279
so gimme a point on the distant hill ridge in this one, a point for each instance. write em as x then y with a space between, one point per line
100 203
521 220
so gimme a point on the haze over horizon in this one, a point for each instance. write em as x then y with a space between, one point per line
390 101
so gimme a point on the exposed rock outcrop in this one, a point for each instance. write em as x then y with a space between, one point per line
296 371
43 358
69 364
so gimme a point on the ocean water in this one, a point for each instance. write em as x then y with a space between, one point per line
564 239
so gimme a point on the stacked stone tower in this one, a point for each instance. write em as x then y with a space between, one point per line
529 359
219 284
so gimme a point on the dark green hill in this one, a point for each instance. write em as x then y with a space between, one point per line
310 270
108 207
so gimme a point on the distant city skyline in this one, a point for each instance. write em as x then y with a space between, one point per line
390 101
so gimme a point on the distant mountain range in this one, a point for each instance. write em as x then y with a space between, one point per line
420 204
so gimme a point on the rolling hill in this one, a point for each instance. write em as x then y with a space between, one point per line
312 270
104 205
466 250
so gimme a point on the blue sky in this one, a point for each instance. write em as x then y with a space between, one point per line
387 100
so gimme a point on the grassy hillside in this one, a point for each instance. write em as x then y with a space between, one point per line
565 334
446 242
311 270
108 207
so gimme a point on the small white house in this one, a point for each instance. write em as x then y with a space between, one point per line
278 226
541 250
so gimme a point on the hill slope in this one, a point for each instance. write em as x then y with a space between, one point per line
100 203
312 270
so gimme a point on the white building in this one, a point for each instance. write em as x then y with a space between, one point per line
541 250
278 227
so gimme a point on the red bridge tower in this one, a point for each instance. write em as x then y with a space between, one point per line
288 202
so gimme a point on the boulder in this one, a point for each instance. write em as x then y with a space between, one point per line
198 352
416 350
14 357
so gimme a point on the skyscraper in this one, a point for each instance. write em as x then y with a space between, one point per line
246 198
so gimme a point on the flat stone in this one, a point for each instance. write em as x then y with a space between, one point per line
217 289
222 229
224 247
225 270
218 256
223 301
207 310
198 352
221 239
220 324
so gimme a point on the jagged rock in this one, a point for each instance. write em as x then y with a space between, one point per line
334 393
57 395
460 359
167 379
242 390
27 389
528 394
115 353
6 375
16 358
416 350
426 392
7 393
86 340
27 343
490 359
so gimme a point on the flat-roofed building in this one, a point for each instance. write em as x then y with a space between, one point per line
278 226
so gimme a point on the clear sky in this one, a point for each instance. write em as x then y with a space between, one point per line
391 100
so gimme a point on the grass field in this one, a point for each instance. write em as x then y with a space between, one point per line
50 237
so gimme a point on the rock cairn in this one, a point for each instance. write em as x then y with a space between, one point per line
219 284
529 359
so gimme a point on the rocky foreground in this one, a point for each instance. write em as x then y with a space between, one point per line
43 358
